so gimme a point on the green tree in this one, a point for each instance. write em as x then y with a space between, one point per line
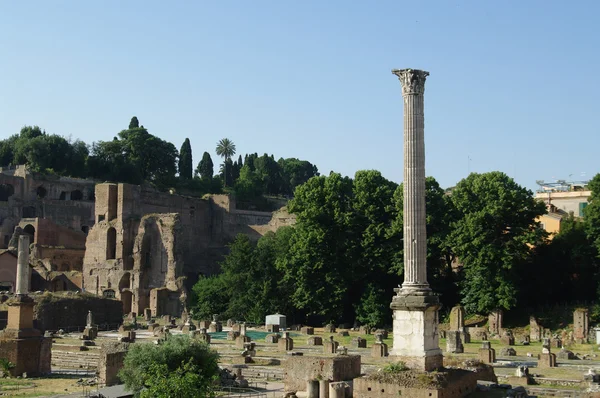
493 236
185 165
134 123
592 213
205 167
225 149
177 355
565 268
296 172
316 265
185 381
248 187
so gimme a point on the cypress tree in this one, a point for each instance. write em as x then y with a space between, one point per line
134 123
205 167
185 160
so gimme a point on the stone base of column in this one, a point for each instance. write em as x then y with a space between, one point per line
416 340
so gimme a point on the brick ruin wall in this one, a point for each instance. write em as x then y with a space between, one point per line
50 314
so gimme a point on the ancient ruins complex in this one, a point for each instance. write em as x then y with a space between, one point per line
415 307
121 241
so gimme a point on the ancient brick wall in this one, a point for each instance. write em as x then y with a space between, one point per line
53 312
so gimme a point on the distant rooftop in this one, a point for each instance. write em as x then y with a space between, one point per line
562 186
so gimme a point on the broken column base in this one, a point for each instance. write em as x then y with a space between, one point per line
547 360
416 341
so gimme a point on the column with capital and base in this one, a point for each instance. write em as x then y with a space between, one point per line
415 307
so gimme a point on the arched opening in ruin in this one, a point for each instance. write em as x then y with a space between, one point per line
108 293
30 230
125 282
76 195
29 212
111 244
6 191
63 196
41 192
126 299
85 229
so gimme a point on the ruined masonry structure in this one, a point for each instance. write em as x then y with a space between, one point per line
147 248
415 307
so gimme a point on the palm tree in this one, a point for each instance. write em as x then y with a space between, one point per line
225 149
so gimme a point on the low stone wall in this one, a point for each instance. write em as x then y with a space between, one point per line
57 311
459 386
298 369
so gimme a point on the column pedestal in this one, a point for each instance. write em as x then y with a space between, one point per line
415 319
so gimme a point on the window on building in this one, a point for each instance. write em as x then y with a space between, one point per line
111 244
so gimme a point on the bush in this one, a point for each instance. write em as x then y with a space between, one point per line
395 367
185 360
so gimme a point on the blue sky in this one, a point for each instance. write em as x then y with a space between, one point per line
514 85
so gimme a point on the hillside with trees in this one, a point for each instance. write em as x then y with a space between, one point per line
136 156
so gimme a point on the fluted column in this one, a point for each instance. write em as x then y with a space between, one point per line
415 236
22 282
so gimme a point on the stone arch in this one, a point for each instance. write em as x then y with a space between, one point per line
30 230
76 195
6 191
125 282
41 192
63 196
111 244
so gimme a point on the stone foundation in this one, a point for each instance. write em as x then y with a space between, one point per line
299 369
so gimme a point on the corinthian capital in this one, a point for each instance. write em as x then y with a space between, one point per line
412 80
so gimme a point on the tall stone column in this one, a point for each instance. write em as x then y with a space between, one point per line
415 307
22 282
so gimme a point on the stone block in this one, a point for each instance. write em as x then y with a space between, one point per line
379 350
547 360
230 323
308 330
581 324
487 355
359 342
442 334
273 328
457 318
382 332
314 340
365 329
272 338
343 333
241 340
90 333
204 324
215 327
232 335
110 362
535 330
507 340
330 346
329 328
508 352
565 354
453 342
153 326
556 343
285 344
298 369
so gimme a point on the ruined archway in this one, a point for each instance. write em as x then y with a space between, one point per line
125 282
126 299
30 230
111 244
